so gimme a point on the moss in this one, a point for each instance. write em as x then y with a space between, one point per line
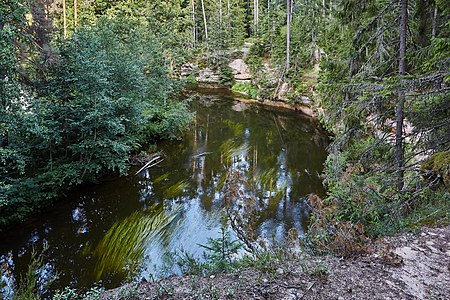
439 164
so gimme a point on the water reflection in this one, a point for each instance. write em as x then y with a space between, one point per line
255 164
7 279
79 216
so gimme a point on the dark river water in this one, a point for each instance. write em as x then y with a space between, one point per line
248 161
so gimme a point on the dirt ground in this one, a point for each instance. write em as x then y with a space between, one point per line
407 266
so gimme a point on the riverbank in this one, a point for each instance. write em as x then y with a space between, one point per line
254 81
406 266
304 109
203 89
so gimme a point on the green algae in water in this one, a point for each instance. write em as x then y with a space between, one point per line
175 190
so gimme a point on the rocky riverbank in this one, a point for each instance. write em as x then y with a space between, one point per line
407 266
230 69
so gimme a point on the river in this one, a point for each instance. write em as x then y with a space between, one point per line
252 162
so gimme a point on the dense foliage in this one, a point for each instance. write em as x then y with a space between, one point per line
361 88
99 95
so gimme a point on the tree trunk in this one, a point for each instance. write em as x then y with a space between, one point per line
220 14
288 33
194 27
229 17
64 18
433 25
204 21
75 13
399 143
255 14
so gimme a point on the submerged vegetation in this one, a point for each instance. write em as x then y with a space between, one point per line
123 245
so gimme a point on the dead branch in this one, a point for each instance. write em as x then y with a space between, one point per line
153 162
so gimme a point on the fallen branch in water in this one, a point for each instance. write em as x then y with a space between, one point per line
201 154
153 162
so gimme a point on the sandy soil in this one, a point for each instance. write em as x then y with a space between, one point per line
408 266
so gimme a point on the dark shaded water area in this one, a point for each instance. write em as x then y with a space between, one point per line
127 228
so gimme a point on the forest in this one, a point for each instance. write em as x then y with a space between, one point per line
87 84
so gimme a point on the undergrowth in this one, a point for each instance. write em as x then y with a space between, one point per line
247 89
362 206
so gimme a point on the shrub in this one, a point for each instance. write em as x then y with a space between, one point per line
226 76
246 89
220 251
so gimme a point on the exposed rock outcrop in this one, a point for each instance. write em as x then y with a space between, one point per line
207 75
283 92
265 80
188 69
241 71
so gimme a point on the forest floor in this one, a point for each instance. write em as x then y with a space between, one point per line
406 266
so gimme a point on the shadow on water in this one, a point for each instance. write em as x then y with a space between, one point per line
256 163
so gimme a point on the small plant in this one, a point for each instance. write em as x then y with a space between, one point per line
164 289
72 294
128 291
191 82
226 76
221 251
319 270
265 261
213 292
29 286
93 293
230 293
189 265
66 294
247 89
